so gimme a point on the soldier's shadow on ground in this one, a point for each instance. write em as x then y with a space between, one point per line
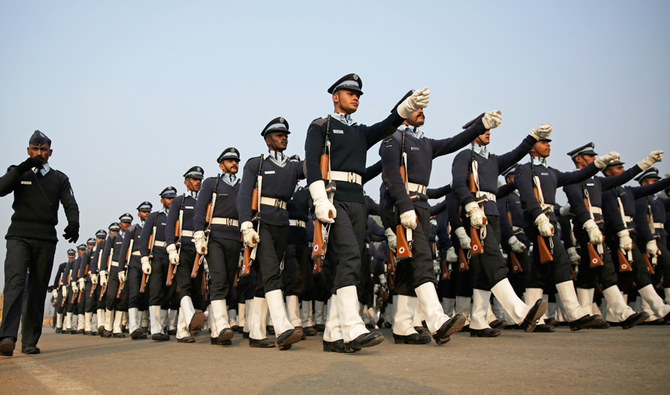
351 378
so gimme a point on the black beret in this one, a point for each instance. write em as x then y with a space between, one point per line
229 153
195 172
278 124
351 82
39 138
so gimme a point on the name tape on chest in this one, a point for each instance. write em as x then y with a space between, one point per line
26 183
338 131
269 172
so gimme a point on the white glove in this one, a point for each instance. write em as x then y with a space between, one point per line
64 291
82 283
516 245
564 210
604 160
408 219
492 119
251 238
323 208
436 267
103 278
652 249
74 287
545 227
419 99
541 132
94 279
573 255
625 241
146 265
451 254
595 235
173 254
463 238
200 242
654 156
391 239
476 214
382 279
54 293
122 276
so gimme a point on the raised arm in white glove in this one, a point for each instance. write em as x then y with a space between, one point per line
625 241
492 119
463 238
595 235
545 227
516 245
573 255
146 265
408 219
476 214
654 156
251 238
173 255
418 99
391 239
323 208
451 255
200 242
541 132
604 160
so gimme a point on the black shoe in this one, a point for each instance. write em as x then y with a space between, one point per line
499 324
196 322
465 328
422 330
601 325
172 332
658 321
119 335
125 330
226 335
414 338
88 333
106 333
59 330
369 339
217 342
238 329
270 330
187 339
245 335
369 326
486 332
264 343
454 325
80 332
94 333
544 328
309 331
29 349
337 346
161 337
585 322
101 330
289 337
513 326
138 334
666 319
634 319
551 321
319 327
7 347
534 314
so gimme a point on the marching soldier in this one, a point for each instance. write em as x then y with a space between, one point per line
85 285
97 302
155 263
181 251
275 177
345 144
79 285
58 295
31 241
218 238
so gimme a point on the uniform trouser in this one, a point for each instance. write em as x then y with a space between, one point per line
23 256
113 284
558 269
136 299
81 300
587 276
190 286
158 291
519 280
60 308
223 256
346 241
72 300
91 301
663 266
417 270
269 256
296 262
489 267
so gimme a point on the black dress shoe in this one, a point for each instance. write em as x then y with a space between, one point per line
125 330
414 338
245 335
161 337
551 321
309 331
465 328
369 339
106 333
585 322
187 339
226 334
634 319
601 325
450 327
7 347
138 334
337 346
94 333
319 327
499 324
421 330
263 343
513 326
534 314
270 330
486 332
172 332
544 328
119 335
80 332
88 333
196 322
217 342
29 349
101 330
289 337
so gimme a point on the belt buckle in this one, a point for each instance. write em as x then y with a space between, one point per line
277 203
351 177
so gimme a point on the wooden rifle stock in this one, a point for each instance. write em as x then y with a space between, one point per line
390 262
624 265
143 284
445 270
254 199
516 265
462 261
318 266
196 265
545 254
208 214
647 262
103 289
594 257
402 245
472 186
323 165
203 286
177 229
118 293
245 270
476 246
317 242
170 275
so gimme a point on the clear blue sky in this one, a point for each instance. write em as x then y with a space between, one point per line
133 93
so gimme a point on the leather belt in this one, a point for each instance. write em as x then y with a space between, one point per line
296 222
225 221
115 263
416 188
658 225
273 202
596 210
490 196
136 253
186 233
346 176
159 243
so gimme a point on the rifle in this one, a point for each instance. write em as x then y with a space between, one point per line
545 253
321 231
208 220
94 286
516 265
403 235
624 265
462 261
594 258
318 266
650 267
128 254
177 225
390 268
476 246
103 288
249 252
446 273
204 284
152 243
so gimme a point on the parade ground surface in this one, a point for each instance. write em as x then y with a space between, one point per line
589 361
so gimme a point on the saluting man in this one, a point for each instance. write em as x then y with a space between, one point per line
31 241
